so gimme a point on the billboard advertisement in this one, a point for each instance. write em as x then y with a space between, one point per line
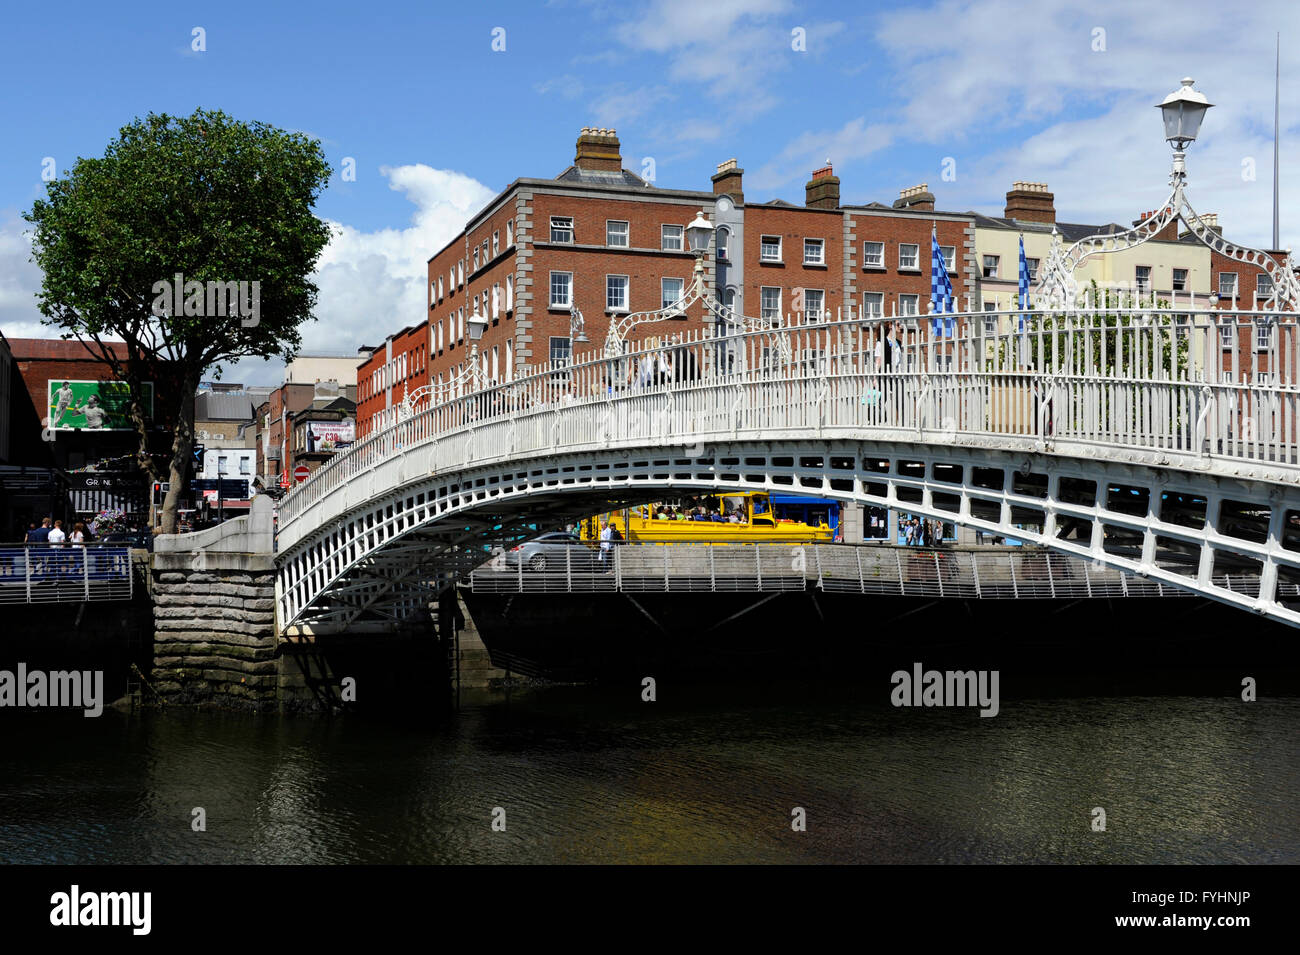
74 405
330 435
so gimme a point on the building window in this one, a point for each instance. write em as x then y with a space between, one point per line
510 232
510 292
1263 336
1031 266
475 267
484 260
990 321
949 253
873 255
440 336
1180 280
616 293
562 229
475 310
560 350
671 238
873 304
1228 331
1227 284
770 304
769 249
909 304
814 252
460 273
909 257
991 266
1263 285
814 300
1142 277
616 233
496 300
496 243
561 290
723 237
672 291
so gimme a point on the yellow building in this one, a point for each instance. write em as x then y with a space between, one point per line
1177 270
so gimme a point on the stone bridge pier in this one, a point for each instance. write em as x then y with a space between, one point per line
216 641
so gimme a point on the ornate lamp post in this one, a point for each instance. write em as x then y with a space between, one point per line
698 234
1182 111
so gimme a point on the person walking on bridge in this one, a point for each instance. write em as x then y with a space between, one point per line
606 536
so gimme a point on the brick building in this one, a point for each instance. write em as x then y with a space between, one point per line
310 381
601 238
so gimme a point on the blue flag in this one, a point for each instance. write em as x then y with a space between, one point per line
1024 283
940 288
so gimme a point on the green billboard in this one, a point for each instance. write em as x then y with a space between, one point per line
73 405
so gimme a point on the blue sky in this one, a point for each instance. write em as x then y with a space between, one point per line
438 121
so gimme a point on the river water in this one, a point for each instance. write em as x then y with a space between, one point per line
705 774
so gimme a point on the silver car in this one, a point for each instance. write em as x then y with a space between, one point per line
554 552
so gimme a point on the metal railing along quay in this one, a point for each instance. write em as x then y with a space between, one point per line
1007 573
65 573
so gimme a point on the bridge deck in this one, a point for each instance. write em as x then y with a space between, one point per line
972 573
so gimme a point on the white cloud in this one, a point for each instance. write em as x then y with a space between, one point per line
371 283
20 279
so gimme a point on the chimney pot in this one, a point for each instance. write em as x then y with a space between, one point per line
1030 201
727 180
598 148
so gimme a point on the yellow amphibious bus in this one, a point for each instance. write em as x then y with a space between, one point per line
706 518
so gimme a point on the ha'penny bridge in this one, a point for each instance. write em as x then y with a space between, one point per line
1139 436
1122 437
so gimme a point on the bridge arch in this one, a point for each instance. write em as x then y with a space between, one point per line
1116 466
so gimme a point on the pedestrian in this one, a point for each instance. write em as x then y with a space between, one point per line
79 533
606 537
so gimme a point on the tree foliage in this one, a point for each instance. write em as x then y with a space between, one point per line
204 196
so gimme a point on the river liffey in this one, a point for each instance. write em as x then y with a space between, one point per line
594 774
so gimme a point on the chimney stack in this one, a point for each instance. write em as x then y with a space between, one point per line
919 198
1030 201
1169 233
727 180
822 191
598 149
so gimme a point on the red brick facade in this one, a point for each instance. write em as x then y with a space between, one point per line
609 224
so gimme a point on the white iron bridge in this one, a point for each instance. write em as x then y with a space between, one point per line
1160 442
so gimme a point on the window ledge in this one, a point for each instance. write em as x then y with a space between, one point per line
770 262
909 271
559 308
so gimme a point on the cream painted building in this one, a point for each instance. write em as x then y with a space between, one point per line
309 369
1177 270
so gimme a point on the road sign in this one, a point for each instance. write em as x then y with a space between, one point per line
300 473
235 489
199 451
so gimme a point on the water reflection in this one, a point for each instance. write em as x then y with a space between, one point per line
587 774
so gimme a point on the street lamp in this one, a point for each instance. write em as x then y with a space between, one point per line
1183 110
698 234
476 324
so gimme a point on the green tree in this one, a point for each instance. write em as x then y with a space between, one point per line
204 196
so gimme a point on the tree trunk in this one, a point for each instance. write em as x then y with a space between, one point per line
182 449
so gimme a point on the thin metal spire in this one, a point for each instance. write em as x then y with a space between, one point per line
1277 96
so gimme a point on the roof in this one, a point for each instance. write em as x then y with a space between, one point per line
602 177
223 406
58 349
1070 231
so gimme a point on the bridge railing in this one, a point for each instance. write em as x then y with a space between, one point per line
1193 382
976 573
51 573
